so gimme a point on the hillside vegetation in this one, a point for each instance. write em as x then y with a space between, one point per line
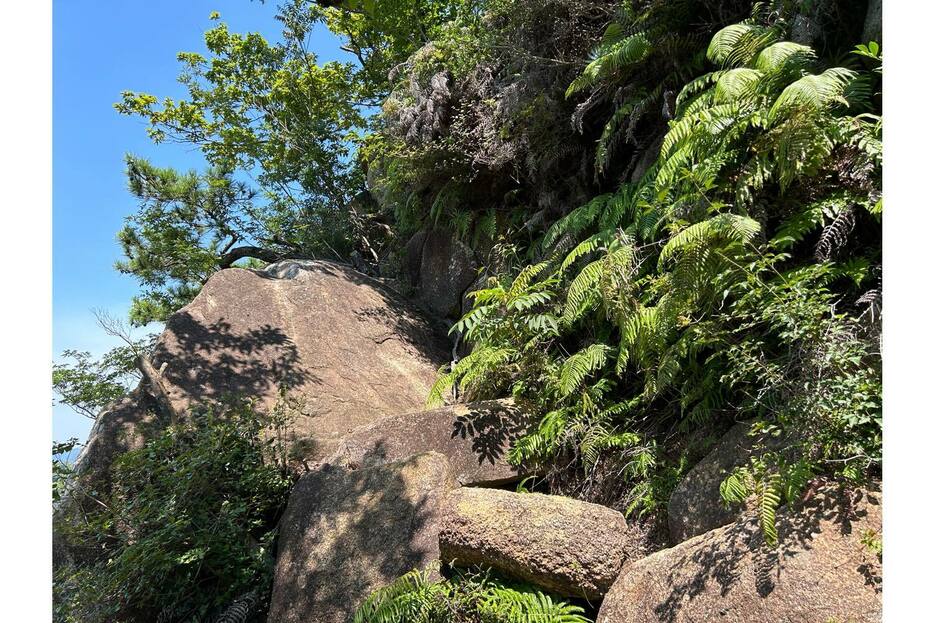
677 206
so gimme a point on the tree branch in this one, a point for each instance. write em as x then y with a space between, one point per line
266 255
158 390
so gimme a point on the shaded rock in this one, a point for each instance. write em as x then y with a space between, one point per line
872 27
120 427
446 268
695 506
563 545
819 572
347 533
647 159
349 348
474 437
413 256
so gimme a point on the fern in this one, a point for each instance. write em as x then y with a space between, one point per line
510 605
581 364
414 598
813 93
409 599
717 230
612 55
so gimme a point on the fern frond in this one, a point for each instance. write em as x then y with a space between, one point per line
511 605
576 221
735 488
609 59
813 92
694 87
738 43
542 443
586 247
582 290
736 84
580 365
784 62
409 599
720 228
768 503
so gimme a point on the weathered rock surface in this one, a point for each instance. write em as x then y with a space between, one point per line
563 545
346 533
474 437
820 571
120 427
351 349
441 268
695 506
872 27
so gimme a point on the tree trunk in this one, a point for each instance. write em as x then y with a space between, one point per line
157 387
239 253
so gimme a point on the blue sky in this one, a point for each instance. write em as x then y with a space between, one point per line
101 48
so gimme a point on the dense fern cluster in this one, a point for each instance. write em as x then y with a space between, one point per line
726 283
475 597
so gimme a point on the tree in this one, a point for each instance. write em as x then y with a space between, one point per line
87 385
259 113
188 225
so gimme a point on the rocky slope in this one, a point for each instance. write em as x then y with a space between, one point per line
388 486
348 348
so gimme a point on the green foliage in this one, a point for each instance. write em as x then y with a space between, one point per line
725 284
87 385
188 527
264 112
62 467
254 104
414 598
644 53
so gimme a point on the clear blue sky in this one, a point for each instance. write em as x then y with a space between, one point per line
101 48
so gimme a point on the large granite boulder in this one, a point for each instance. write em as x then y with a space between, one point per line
563 545
823 570
351 350
695 506
474 437
347 533
441 268
122 426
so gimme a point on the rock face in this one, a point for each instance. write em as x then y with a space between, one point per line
441 268
872 27
820 572
346 533
563 545
474 438
119 428
352 350
695 506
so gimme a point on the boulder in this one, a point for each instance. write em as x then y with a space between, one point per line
695 506
348 348
565 546
446 267
122 426
822 570
474 437
347 533
872 27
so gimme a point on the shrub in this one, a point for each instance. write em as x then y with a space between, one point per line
187 528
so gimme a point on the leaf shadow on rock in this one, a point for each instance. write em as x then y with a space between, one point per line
492 429
396 313
214 362
347 532
719 555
